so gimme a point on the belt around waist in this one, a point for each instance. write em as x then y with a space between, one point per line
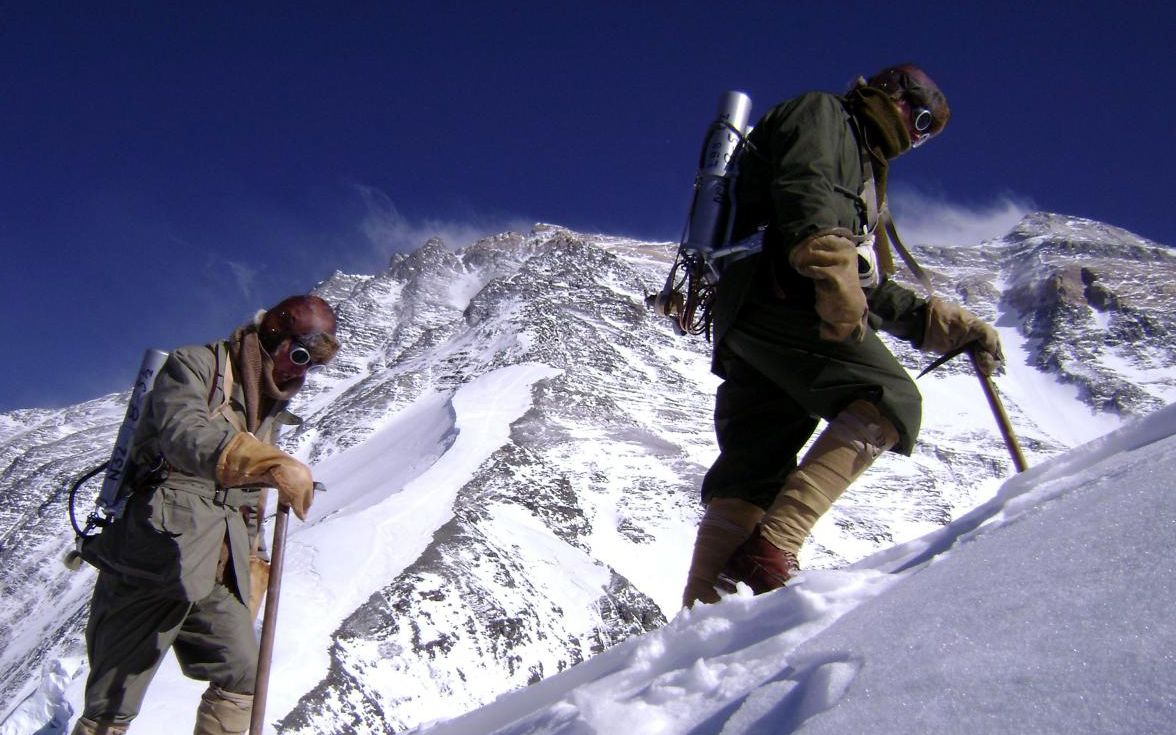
231 497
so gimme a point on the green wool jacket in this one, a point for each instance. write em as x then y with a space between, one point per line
177 520
804 173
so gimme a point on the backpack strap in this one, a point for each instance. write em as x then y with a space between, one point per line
224 380
878 213
908 258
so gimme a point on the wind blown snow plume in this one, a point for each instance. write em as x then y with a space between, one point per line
389 231
513 446
926 220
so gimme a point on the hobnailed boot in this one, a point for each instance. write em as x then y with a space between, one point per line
86 726
760 565
726 524
844 450
223 713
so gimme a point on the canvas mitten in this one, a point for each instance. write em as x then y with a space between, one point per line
830 259
247 461
951 326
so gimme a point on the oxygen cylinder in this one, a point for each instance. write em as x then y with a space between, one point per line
690 282
711 208
110 498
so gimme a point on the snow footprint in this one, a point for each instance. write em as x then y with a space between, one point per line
801 691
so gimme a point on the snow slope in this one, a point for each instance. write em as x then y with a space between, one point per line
1045 610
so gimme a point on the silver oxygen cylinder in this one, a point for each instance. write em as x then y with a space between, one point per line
111 498
711 209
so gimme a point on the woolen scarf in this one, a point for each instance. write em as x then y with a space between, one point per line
254 368
886 137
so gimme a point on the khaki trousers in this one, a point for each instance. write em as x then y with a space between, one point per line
131 628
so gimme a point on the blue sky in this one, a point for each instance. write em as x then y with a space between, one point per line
167 168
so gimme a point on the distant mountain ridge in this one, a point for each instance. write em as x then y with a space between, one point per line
600 469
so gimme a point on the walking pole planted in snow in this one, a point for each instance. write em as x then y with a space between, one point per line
270 622
1002 418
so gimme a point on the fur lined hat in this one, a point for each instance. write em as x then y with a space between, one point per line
909 82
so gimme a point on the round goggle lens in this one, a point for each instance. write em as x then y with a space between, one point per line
299 355
923 119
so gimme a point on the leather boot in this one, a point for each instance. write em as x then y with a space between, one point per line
760 565
726 524
223 713
844 450
86 726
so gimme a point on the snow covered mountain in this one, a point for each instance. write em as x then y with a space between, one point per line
513 446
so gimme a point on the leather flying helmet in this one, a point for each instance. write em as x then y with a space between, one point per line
307 319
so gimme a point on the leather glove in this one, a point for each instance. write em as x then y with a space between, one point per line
247 461
950 326
831 261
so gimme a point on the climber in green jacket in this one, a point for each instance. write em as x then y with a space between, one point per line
794 326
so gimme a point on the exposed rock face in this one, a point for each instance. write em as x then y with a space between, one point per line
1096 302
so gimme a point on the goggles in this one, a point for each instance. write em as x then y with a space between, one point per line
299 355
312 350
921 119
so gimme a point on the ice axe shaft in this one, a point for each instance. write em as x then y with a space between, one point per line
1002 418
269 623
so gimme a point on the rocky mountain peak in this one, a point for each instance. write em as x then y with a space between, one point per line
518 444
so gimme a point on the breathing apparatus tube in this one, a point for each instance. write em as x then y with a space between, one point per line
73 492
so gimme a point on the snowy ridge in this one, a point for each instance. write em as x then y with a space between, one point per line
513 445
329 577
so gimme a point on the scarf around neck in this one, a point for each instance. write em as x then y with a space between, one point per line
886 132
255 372
885 137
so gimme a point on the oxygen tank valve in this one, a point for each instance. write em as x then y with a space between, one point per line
666 303
72 560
